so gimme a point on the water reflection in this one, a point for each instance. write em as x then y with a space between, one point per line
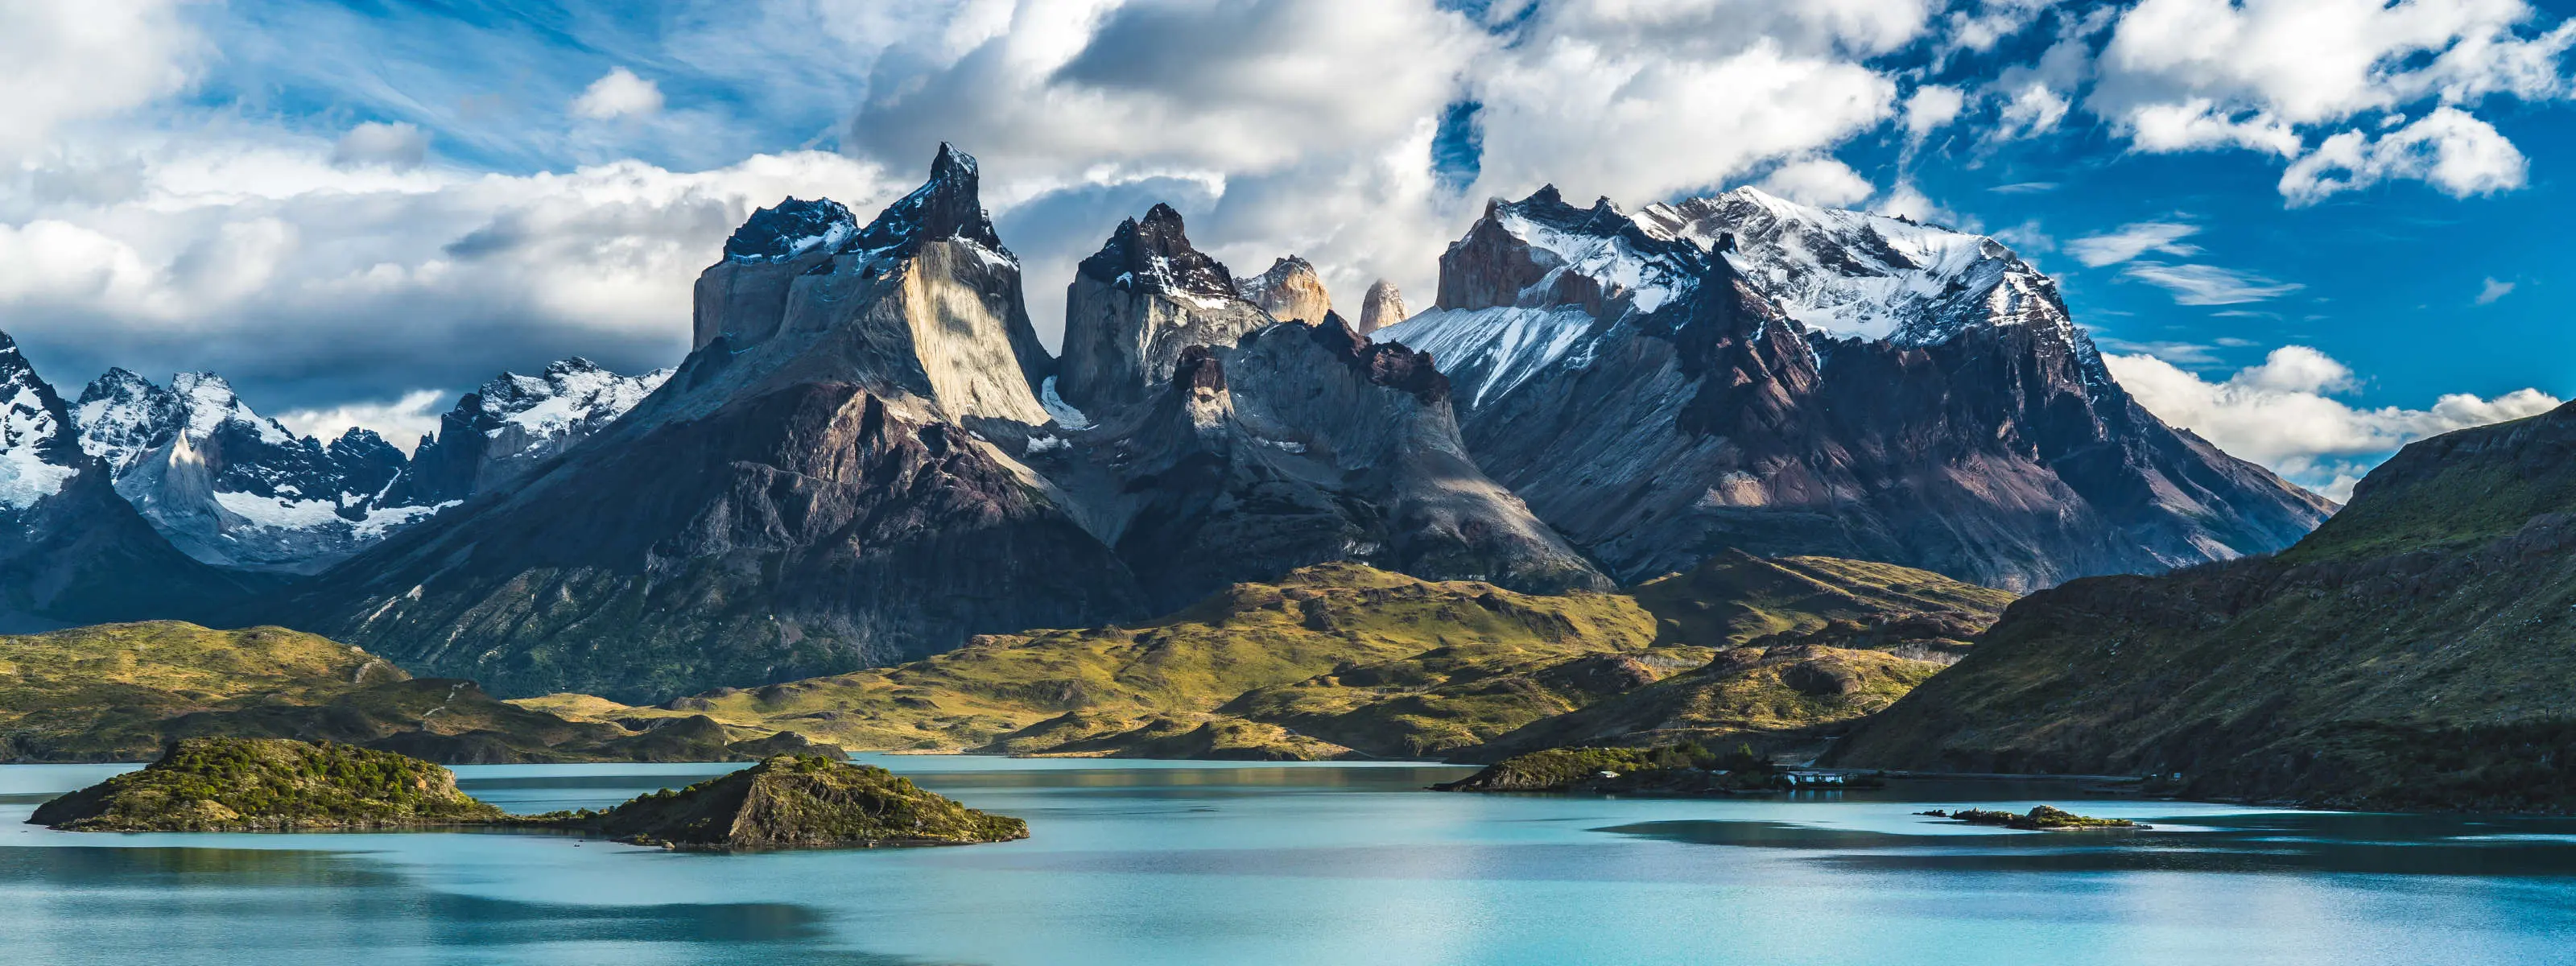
2259 842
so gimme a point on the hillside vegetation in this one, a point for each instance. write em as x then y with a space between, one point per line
120 692
268 784
2413 652
1342 660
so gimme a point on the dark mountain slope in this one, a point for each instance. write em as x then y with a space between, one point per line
2413 652
1639 382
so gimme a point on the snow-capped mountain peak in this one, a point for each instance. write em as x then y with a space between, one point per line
36 452
792 228
572 397
1853 273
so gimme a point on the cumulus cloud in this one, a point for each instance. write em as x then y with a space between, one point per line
2282 413
1930 108
2270 75
2456 153
619 93
66 61
402 422
2209 284
2493 290
398 145
1819 181
2132 240
319 284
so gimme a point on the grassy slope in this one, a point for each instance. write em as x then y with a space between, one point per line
2414 651
1343 660
86 692
797 801
119 692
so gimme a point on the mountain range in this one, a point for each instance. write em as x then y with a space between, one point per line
869 457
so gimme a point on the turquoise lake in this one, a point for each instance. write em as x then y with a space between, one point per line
1201 863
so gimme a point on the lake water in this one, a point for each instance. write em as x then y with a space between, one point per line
1200 863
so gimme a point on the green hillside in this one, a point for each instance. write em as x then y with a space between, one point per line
2419 650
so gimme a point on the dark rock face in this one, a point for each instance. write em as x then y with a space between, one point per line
2411 653
71 550
803 496
1260 446
1657 407
1136 303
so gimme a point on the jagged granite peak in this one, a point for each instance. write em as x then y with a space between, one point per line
1653 402
514 423
826 483
923 306
1154 254
1290 291
792 228
1859 275
233 488
948 206
1136 303
71 550
1295 445
1383 307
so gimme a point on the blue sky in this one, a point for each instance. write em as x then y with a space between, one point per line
2310 231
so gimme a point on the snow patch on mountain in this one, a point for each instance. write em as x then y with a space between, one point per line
1860 275
1650 281
26 429
1064 413
1489 351
571 397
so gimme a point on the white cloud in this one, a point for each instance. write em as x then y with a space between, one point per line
402 422
2457 153
619 93
2268 75
1819 181
2209 284
67 61
2493 290
2132 240
2032 110
2282 413
398 145
266 262
1930 108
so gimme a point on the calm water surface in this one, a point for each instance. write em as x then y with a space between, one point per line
1192 863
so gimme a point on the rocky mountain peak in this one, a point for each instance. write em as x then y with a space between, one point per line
39 452
1290 291
948 205
792 228
123 415
1540 252
1383 307
512 423
1137 303
1155 255
1859 275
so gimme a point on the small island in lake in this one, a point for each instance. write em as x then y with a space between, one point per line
268 784
788 801
1683 769
2040 819
794 801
